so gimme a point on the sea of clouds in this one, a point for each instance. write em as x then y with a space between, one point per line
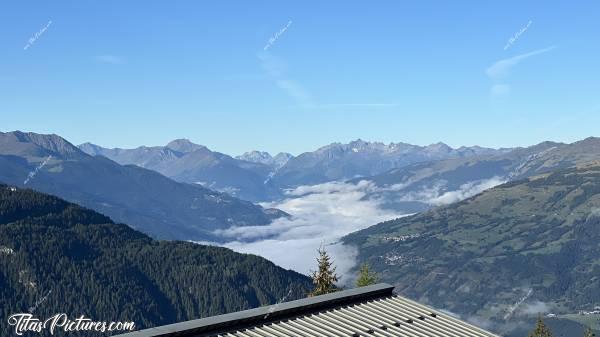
322 214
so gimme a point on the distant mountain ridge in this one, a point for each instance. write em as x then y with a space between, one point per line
187 162
140 197
258 176
144 156
362 159
416 187
184 145
407 179
262 157
36 145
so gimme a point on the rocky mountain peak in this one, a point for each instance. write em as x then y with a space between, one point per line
263 157
33 144
184 145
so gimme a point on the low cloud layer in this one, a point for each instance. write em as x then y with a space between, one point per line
321 215
437 194
466 191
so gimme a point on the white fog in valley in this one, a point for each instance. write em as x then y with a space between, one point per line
321 215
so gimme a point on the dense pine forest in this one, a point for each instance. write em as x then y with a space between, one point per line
57 257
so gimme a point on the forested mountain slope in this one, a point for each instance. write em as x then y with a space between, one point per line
537 239
58 257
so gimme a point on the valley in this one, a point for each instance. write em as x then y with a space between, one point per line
470 222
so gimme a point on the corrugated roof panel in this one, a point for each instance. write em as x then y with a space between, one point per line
389 316
363 312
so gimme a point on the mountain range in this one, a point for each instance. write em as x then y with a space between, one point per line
181 201
498 234
258 176
359 158
527 245
142 198
58 257
184 161
276 162
417 187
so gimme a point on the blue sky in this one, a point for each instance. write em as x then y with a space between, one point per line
127 73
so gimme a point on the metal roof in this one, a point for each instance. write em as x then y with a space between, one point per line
368 311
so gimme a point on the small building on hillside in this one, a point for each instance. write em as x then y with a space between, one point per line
369 311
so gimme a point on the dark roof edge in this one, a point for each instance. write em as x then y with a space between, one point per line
266 314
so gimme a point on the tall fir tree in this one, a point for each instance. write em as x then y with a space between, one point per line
365 276
541 330
325 277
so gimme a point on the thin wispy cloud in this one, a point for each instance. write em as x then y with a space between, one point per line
276 68
109 59
501 68
296 91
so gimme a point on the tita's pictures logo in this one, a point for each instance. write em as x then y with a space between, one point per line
25 322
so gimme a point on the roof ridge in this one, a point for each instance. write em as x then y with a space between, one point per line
266 314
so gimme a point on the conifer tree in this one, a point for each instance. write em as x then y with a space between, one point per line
325 277
541 330
365 276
